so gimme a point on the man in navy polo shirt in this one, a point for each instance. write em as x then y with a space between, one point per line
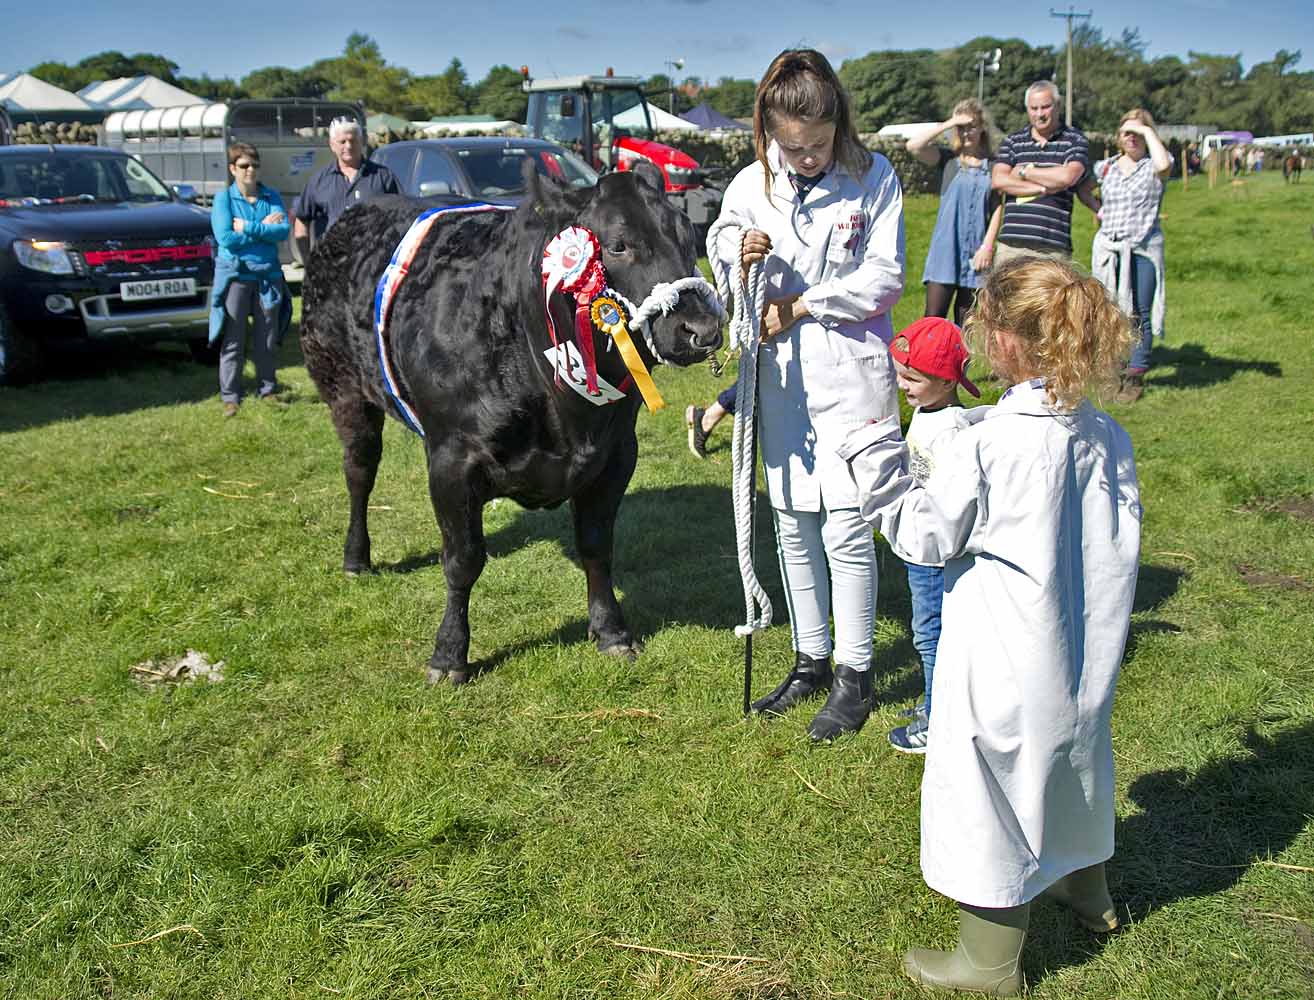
1040 169
349 180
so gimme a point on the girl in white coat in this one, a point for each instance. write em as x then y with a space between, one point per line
1036 513
826 216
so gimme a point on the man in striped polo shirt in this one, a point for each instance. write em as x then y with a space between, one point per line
1040 169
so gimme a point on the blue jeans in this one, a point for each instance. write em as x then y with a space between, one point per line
1143 285
926 585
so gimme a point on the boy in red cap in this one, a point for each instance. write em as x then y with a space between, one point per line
930 360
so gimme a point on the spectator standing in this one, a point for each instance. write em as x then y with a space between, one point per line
1036 513
825 217
349 180
1127 253
249 222
1039 169
963 241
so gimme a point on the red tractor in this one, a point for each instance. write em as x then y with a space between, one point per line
606 120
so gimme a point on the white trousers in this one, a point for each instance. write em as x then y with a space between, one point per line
828 564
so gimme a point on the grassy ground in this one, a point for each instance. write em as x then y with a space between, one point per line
321 824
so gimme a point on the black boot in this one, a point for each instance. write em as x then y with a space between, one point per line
847 707
808 677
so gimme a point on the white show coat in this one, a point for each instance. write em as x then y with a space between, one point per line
842 248
1037 515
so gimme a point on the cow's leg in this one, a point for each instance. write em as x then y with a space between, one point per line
360 428
594 510
461 519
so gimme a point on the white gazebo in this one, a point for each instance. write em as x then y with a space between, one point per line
662 121
25 94
133 92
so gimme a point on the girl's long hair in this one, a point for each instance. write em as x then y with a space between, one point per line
800 83
1070 333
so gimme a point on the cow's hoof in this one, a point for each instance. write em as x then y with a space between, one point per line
445 676
353 570
625 649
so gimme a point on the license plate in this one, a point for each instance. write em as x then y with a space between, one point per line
161 288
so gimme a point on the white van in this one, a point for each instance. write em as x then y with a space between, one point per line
187 147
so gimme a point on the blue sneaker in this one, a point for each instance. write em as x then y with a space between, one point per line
911 738
917 711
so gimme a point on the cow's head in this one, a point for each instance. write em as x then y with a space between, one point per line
645 241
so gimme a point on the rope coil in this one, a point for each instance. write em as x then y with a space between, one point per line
749 303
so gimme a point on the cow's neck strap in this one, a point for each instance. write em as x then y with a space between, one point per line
393 276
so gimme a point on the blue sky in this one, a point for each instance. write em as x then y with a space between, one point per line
714 37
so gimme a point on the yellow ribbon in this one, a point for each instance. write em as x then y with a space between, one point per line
620 333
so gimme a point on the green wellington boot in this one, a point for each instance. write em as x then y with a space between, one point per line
988 958
1086 893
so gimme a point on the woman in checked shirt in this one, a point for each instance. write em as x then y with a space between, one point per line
1127 255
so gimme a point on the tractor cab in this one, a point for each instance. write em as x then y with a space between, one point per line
606 121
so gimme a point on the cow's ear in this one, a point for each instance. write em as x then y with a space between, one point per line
650 175
547 193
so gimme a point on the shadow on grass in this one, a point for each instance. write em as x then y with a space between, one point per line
1154 586
87 378
1196 368
675 561
1196 835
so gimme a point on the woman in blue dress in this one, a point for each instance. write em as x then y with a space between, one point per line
963 242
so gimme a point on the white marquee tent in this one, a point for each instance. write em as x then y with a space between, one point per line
134 92
661 121
23 92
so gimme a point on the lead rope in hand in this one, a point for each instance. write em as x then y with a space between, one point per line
745 334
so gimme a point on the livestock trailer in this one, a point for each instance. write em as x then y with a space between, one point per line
187 146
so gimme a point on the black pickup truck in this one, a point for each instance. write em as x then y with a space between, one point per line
92 244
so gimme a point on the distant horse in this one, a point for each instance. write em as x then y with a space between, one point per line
1291 166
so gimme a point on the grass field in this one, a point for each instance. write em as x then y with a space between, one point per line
322 824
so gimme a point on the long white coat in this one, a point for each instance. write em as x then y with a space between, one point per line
1037 516
842 248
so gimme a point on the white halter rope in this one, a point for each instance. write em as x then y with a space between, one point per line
663 298
745 334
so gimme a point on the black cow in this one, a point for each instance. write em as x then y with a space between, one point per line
467 337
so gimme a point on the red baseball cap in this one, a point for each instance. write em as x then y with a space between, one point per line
934 346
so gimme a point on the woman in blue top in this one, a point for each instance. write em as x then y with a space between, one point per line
963 242
249 222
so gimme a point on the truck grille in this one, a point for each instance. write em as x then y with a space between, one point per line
126 258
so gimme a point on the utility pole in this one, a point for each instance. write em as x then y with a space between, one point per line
1069 14
986 62
673 65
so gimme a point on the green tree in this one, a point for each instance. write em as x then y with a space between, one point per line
501 95
362 74
446 93
1279 99
1220 92
112 65
61 75
1109 77
732 97
1020 65
1168 92
212 89
891 87
280 81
